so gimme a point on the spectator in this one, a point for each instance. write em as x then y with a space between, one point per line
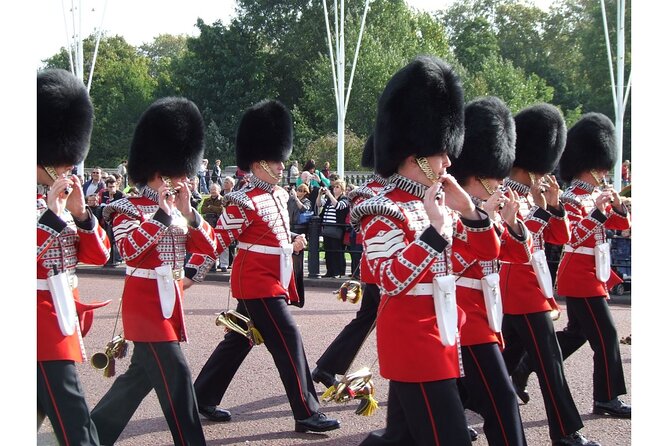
95 184
334 211
122 170
195 196
314 179
228 185
325 171
626 173
293 173
217 174
106 196
353 242
299 204
231 250
212 207
201 176
93 203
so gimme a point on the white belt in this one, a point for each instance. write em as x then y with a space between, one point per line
421 289
580 250
262 249
42 284
469 283
145 273
285 254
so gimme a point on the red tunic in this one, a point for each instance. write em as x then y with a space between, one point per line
577 272
147 238
370 189
403 250
62 243
520 291
513 248
256 214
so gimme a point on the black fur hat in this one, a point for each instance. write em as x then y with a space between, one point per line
591 144
489 141
367 154
169 139
541 137
264 133
420 112
64 119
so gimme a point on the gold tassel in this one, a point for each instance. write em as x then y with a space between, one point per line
367 407
256 336
329 393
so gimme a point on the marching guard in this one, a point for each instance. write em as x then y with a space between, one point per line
584 276
409 231
67 233
154 232
486 159
338 357
526 287
262 279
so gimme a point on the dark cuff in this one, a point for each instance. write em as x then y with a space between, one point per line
432 238
520 237
483 223
190 272
559 212
542 214
51 220
162 217
89 223
197 221
598 215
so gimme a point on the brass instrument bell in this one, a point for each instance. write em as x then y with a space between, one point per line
237 322
349 291
117 348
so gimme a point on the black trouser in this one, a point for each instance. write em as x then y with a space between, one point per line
590 320
154 365
334 256
60 397
342 351
535 333
422 414
490 393
272 317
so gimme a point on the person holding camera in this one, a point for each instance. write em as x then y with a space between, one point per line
335 208
314 179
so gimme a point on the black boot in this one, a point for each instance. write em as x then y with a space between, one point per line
615 408
520 377
213 413
323 377
574 439
473 433
318 422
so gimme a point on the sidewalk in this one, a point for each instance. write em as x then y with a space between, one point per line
321 282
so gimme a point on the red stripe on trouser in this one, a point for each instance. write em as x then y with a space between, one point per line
547 382
169 397
53 402
292 362
431 416
605 355
489 392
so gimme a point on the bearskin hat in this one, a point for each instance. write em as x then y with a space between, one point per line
420 112
367 154
64 118
541 137
591 144
169 139
489 141
264 133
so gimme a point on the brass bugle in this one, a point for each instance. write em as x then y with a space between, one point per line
116 348
350 291
233 320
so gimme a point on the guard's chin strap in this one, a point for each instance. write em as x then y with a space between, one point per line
266 168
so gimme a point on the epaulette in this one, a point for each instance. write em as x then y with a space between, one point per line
569 197
376 205
122 206
240 198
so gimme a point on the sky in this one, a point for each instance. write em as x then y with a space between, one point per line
139 21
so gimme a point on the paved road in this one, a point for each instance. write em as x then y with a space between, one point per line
260 411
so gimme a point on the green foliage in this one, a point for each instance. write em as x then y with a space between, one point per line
324 149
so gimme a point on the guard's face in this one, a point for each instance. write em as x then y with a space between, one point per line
439 163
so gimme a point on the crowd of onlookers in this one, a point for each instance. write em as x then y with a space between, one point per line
312 192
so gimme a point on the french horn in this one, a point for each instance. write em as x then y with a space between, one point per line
117 348
354 386
349 291
237 322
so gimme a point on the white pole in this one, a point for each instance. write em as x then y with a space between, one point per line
67 39
357 52
331 52
97 46
607 45
80 74
341 92
619 124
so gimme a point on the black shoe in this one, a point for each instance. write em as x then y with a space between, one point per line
574 439
213 413
473 433
318 422
323 377
520 377
615 408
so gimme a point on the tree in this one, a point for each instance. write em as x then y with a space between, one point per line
162 53
121 90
